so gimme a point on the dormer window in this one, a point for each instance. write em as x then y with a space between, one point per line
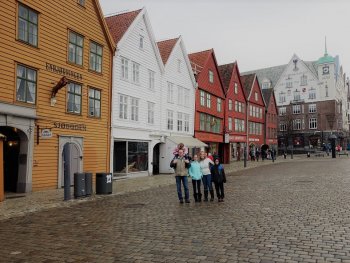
211 76
265 85
141 42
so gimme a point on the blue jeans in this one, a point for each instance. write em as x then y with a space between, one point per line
207 182
178 186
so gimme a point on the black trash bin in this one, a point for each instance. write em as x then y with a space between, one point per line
79 185
104 183
88 183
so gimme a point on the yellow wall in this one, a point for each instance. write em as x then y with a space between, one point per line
55 19
1 170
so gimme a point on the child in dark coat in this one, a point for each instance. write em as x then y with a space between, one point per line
219 178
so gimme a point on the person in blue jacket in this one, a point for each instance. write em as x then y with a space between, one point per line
196 175
219 178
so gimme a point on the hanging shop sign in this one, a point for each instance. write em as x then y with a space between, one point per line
70 126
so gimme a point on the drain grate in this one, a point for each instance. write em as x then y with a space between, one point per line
134 205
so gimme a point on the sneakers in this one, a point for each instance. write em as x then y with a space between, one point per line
187 201
181 201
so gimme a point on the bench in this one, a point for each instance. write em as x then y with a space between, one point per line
343 153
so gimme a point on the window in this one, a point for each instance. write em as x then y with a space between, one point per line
282 111
134 109
187 123
208 100
265 85
236 88
150 107
236 106
297 124
28 25
26 84
95 57
218 105
240 106
282 97
170 120
151 79
229 104
179 121
81 2
312 123
312 94
202 121
230 124
256 96
296 95
296 109
94 103
211 76
250 110
74 98
76 43
170 92
289 84
179 65
202 98
125 68
283 126
303 80
180 95
141 42
326 90
187 97
239 125
260 113
312 108
135 72
123 107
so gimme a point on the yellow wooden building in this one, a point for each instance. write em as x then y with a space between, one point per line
55 91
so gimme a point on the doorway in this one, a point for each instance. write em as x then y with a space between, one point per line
156 153
71 161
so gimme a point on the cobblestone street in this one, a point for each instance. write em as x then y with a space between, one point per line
296 211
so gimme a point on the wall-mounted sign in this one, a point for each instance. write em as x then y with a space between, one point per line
253 140
70 126
227 138
46 133
63 71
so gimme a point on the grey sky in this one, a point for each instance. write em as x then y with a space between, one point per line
256 33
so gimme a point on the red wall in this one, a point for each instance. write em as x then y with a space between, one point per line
252 138
271 122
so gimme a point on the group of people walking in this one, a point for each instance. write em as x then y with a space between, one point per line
201 169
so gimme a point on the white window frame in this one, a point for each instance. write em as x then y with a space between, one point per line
312 108
230 124
180 95
134 104
186 97
186 122
124 68
202 97
282 97
313 123
282 111
211 76
170 93
303 80
179 121
170 120
230 105
150 112
297 124
135 72
283 126
218 104
296 95
312 94
151 79
256 96
296 109
208 100
123 107
236 88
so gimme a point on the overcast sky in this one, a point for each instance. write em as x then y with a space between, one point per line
256 33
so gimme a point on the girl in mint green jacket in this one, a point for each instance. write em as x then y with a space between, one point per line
196 175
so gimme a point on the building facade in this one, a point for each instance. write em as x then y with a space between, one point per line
235 112
255 112
55 92
177 103
210 102
271 119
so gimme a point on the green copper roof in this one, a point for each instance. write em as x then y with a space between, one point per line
325 59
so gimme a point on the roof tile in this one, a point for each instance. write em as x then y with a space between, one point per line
165 47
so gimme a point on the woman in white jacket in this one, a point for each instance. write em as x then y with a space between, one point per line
205 164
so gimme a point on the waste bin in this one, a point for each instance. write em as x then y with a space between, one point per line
79 185
104 184
88 183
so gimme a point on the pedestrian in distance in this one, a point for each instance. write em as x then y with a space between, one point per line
257 154
181 164
218 178
196 175
205 164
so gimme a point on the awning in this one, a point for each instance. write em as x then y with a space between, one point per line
187 141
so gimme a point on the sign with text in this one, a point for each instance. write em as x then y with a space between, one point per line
46 133
70 126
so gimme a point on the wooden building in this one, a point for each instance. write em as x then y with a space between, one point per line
55 91
270 118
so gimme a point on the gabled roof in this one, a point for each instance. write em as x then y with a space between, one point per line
226 72
272 74
247 82
267 93
166 47
199 59
119 24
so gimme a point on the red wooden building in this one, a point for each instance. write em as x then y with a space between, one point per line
270 118
235 111
255 111
210 102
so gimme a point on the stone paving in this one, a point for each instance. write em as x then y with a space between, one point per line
287 212
21 204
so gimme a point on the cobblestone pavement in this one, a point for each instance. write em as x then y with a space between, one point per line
287 212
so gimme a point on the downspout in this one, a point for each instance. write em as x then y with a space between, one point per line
111 148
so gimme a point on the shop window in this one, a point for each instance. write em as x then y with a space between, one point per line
28 25
137 156
76 43
26 84
74 98
95 57
94 103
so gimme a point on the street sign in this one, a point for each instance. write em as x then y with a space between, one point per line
46 133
